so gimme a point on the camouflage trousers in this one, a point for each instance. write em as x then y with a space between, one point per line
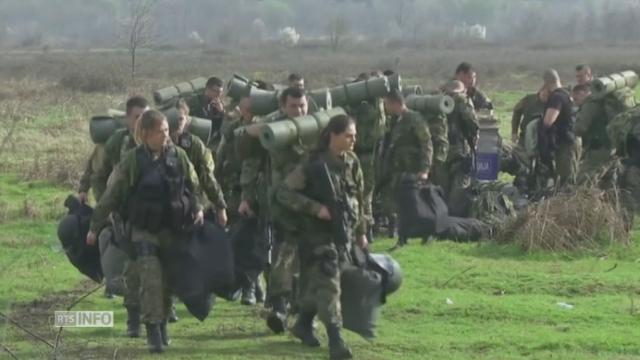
566 159
455 179
131 284
153 290
284 265
320 271
366 163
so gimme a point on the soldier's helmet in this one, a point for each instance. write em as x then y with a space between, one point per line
393 279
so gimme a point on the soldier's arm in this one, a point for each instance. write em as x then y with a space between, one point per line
85 180
425 153
516 117
584 118
249 178
191 181
439 137
100 177
116 193
361 226
470 125
207 180
288 193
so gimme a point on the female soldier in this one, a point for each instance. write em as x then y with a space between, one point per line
158 188
330 230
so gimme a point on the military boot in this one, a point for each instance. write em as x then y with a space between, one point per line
338 350
303 329
164 334
391 226
248 294
259 293
277 319
154 338
133 321
173 317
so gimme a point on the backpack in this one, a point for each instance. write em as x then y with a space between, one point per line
624 127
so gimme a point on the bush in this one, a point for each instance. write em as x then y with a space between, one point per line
90 81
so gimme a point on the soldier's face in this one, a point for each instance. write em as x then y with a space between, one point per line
134 115
295 107
468 78
213 93
297 84
183 120
157 137
583 77
344 141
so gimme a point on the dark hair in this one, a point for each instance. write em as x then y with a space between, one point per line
464 67
388 72
214 81
581 67
581 88
337 125
363 76
148 121
136 101
261 84
395 95
293 92
295 77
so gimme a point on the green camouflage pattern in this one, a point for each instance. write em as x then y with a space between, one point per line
525 111
118 144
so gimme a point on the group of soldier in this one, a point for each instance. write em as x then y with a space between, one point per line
161 178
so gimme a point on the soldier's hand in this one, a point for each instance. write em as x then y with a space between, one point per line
324 214
362 242
254 130
82 197
91 238
218 105
245 209
199 218
423 175
222 217
514 138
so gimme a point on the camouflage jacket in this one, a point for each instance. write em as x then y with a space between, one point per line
125 179
370 120
200 107
437 123
118 144
463 129
408 147
95 160
480 99
526 110
204 167
301 192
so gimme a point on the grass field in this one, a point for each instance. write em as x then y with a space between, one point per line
458 301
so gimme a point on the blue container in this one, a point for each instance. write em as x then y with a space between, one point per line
487 166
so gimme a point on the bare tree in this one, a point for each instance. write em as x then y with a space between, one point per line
338 29
138 28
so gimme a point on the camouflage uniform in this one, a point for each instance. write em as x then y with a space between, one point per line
230 167
95 160
439 138
370 119
408 149
514 159
155 301
463 132
121 141
529 108
597 160
322 255
479 99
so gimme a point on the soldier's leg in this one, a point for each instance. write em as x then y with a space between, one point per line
132 297
283 268
303 328
459 180
566 159
366 162
154 299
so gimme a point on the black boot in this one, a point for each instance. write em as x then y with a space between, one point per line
154 338
391 227
164 334
259 293
277 319
173 317
248 294
303 329
338 350
133 321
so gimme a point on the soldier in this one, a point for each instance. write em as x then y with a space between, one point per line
210 106
201 159
407 147
467 75
118 143
324 253
95 160
463 135
274 165
230 174
559 145
371 120
296 81
146 181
